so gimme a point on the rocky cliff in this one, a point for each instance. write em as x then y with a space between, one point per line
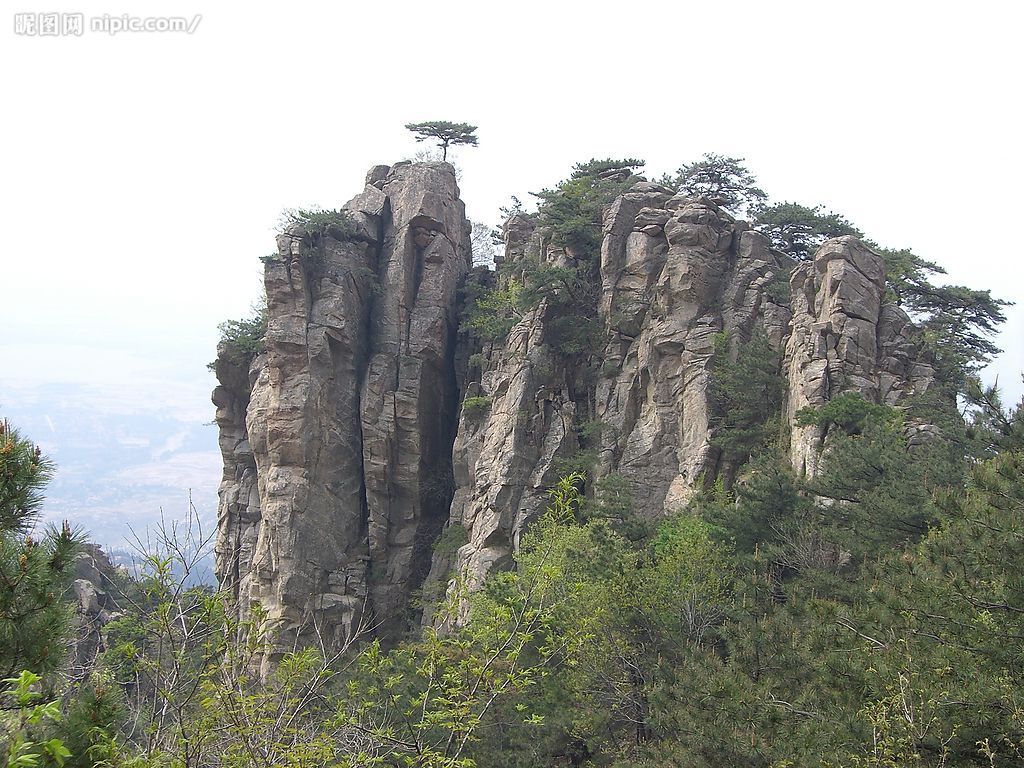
345 447
337 437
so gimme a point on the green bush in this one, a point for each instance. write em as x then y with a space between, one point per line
493 313
571 214
318 224
745 395
36 562
451 538
777 289
476 406
848 411
20 721
592 429
579 463
245 337
572 211
319 221
613 501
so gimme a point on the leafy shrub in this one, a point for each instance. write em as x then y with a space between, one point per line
613 501
245 337
592 429
493 313
777 289
572 211
571 214
24 749
476 406
319 221
90 719
451 538
572 334
579 464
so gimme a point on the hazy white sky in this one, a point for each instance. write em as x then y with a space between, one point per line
143 172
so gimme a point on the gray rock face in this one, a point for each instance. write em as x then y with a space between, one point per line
239 507
337 439
506 460
345 447
845 338
95 601
675 272
702 275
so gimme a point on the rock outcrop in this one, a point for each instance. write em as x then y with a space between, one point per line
675 273
845 338
347 452
337 438
95 593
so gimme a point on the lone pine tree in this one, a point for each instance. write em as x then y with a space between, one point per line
445 133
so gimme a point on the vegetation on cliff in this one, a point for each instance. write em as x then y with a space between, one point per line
867 615
870 618
955 322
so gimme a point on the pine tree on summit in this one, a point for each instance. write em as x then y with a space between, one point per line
723 179
445 133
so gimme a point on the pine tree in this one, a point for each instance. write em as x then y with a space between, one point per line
33 568
797 230
445 133
956 322
722 179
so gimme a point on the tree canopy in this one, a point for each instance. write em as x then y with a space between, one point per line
869 616
956 322
34 567
798 230
724 180
445 133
